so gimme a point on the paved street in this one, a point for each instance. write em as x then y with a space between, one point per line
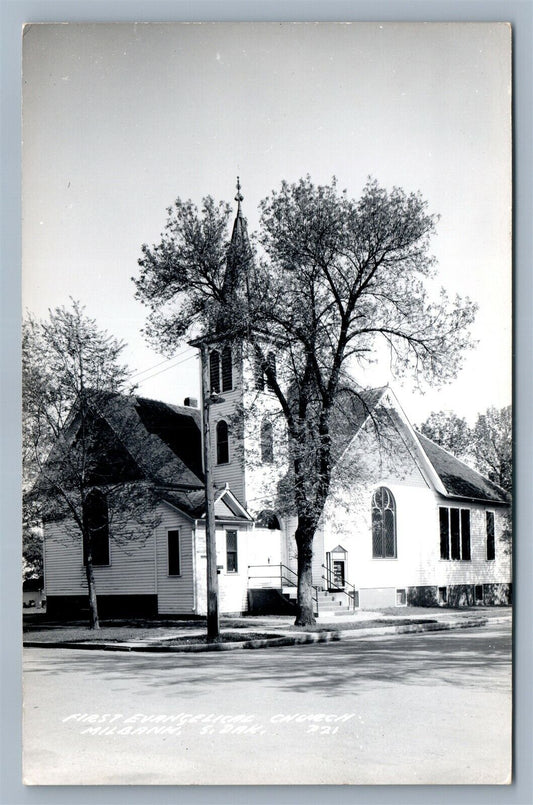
428 708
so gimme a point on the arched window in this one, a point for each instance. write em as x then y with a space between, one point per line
227 372
222 442
267 442
214 371
383 524
271 363
268 519
96 521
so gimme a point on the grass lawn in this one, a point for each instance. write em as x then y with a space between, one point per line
141 629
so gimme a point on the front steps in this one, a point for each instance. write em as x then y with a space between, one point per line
330 603
334 603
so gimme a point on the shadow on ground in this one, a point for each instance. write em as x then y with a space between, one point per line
465 658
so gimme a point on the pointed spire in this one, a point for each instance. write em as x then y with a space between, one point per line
238 258
239 250
239 197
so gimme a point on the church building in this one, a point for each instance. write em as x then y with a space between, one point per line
406 522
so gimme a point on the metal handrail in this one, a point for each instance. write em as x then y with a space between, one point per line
332 584
281 575
282 578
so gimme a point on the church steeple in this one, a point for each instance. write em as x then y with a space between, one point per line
239 256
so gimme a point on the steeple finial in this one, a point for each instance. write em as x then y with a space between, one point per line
239 197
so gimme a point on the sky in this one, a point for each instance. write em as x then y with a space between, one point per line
121 119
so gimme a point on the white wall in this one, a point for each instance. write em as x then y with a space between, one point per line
131 569
233 587
175 594
347 521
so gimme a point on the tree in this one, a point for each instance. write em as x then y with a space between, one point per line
493 445
449 431
335 278
32 552
72 384
488 447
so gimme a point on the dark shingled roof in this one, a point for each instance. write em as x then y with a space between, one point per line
192 503
164 440
460 480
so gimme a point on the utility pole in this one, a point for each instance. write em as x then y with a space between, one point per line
213 626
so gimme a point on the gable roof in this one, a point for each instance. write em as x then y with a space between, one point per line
164 440
458 478
192 503
445 473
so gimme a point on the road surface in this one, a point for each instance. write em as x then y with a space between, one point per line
426 708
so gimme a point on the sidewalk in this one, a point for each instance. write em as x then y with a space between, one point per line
264 631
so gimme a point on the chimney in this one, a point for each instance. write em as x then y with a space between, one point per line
190 402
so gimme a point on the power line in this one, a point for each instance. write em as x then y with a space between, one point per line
166 369
173 358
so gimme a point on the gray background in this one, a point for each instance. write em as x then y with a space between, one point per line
13 14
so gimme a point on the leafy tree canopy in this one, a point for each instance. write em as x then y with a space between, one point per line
330 281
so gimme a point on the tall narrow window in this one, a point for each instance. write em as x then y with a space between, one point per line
214 371
231 552
444 517
491 544
259 377
454 534
465 534
383 524
454 527
95 518
227 370
271 374
267 442
174 558
222 442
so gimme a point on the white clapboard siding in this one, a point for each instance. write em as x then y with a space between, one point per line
175 594
131 570
478 570
233 587
418 561
231 473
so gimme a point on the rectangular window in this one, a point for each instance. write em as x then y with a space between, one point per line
454 534
454 528
465 534
214 371
227 370
491 544
231 552
401 598
95 518
174 558
271 363
444 533
259 377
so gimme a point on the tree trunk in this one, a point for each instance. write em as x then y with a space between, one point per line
91 586
305 600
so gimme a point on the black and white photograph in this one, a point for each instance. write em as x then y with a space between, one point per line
266 403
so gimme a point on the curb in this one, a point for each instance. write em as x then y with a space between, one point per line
292 640
286 640
413 628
